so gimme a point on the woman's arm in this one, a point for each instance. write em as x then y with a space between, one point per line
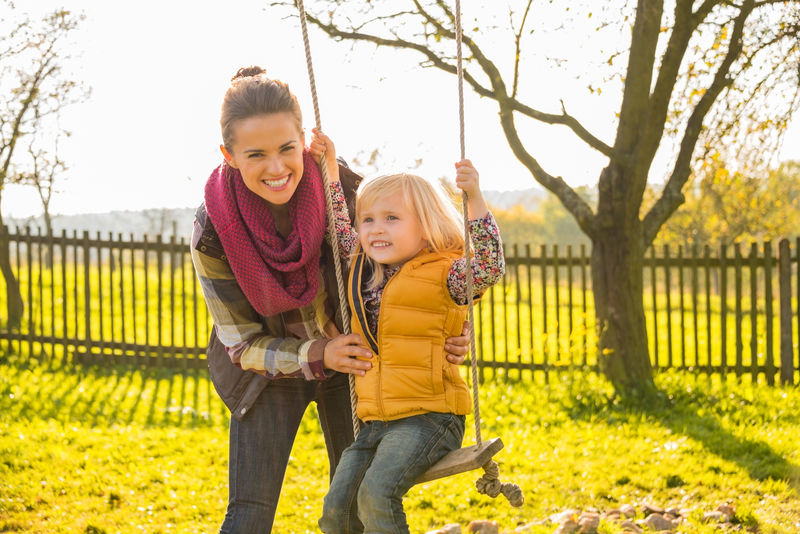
249 346
240 330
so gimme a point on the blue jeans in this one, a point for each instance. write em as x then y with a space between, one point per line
379 468
260 445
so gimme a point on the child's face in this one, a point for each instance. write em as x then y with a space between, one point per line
268 151
389 232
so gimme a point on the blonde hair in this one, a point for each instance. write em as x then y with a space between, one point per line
441 223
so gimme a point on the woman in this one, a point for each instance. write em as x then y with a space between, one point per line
267 275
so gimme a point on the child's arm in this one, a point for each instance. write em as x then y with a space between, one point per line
488 264
467 181
346 234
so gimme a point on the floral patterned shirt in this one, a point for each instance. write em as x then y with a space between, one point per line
488 263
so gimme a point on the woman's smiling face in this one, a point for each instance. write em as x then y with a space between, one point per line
268 151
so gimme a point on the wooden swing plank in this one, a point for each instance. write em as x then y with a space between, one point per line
462 460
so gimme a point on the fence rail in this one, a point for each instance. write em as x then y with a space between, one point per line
725 310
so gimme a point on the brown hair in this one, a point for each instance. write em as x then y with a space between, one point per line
251 94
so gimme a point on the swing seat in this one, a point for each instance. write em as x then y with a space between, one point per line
462 460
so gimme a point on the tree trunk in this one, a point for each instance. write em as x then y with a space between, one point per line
14 304
617 268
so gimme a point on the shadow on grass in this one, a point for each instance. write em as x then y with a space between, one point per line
154 400
121 394
685 413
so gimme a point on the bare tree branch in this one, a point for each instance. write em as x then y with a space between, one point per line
497 90
435 60
517 40
569 121
672 197
7 149
569 198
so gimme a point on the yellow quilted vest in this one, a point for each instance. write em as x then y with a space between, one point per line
410 374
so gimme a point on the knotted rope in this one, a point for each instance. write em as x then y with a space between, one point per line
489 484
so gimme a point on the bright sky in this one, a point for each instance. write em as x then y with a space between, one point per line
148 137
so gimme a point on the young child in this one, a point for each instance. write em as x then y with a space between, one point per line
407 293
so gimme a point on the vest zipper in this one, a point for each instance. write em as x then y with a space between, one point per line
379 395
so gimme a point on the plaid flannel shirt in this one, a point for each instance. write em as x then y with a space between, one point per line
290 344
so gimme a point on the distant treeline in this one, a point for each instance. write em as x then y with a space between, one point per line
722 207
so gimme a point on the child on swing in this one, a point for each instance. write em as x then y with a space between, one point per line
407 293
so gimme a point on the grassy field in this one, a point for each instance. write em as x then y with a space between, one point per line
102 450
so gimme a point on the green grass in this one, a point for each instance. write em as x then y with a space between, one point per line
126 449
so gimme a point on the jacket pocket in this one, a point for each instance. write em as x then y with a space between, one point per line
231 382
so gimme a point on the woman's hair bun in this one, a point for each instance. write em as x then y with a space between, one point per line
246 72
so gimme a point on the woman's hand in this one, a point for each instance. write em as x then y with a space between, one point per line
321 143
456 348
345 354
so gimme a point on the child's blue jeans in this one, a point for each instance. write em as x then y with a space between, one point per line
379 468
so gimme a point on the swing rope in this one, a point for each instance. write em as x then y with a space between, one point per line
489 483
337 260
467 237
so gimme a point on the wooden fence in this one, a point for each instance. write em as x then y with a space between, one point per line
107 299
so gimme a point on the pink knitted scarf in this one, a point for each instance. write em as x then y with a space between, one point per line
276 274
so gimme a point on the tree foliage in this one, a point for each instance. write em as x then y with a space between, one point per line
725 206
691 76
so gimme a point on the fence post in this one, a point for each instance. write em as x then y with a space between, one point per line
653 291
570 307
65 298
753 265
769 357
101 343
506 364
5 252
785 291
723 309
557 304
29 265
545 337
529 271
682 305
87 302
737 276
796 356
160 288
584 330
707 283
517 286
668 292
